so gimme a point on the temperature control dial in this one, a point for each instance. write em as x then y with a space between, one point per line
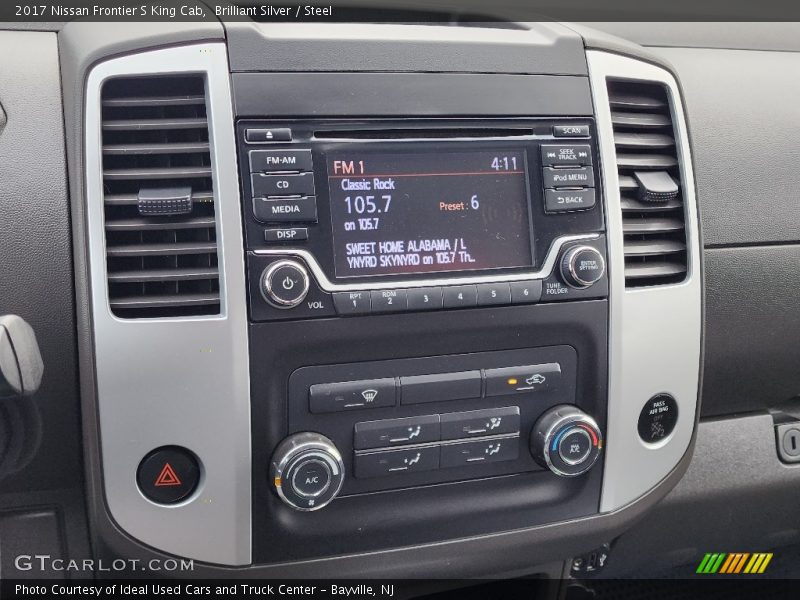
582 266
566 440
284 284
307 471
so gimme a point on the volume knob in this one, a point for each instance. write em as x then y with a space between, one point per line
582 266
284 284
307 471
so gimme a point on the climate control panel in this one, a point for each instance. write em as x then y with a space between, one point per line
393 424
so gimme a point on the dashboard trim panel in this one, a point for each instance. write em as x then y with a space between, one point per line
671 314
174 381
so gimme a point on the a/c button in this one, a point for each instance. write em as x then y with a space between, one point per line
311 478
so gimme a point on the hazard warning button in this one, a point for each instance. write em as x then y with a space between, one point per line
168 474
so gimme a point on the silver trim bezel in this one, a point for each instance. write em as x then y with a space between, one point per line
384 284
655 333
174 381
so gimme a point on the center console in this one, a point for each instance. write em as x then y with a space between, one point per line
403 313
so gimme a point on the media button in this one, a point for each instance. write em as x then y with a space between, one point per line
352 395
285 210
352 303
566 155
492 294
460 296
384 301
301 184
522 380
526 292
268 161
429 298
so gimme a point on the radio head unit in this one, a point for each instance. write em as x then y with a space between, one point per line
371 205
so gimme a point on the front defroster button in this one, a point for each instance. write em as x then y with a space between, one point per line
350 395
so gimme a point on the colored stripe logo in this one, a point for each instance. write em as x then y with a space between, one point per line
734 563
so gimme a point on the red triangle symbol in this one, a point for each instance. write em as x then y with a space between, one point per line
167 477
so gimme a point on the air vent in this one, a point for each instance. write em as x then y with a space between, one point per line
160 229
653 220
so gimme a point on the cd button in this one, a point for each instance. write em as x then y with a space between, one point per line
301 184
492 294
460 296
384 301
352 303
425 298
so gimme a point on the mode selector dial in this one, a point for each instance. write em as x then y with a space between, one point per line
307 471
284 283
582 266
566 440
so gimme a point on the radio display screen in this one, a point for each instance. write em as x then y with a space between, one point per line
426 212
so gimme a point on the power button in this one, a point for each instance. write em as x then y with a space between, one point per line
284 283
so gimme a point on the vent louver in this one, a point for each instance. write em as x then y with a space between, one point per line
651 197
160 228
